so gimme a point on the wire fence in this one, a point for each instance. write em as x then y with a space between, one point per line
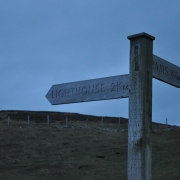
99 124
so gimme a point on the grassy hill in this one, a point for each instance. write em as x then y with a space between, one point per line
85 150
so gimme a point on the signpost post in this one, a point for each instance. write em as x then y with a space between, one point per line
137 86
140 107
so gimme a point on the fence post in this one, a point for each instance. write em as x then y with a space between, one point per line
48 119
102 122
86 123
119 123
166 123
66 121
9 119
28 121
140 107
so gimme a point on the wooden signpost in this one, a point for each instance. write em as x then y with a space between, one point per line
166 71
137 86
90 90
109 87
140 107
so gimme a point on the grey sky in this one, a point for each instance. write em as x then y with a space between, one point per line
45 42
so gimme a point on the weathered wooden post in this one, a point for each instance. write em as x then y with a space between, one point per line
102 122
86 123
119 122
28 121
9 119
140 107
66 121
166 124
138 87
48 119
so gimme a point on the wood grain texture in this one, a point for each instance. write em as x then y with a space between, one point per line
89 90
138 87
110 87
166 71
140 108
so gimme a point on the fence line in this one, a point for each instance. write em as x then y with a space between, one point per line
66 124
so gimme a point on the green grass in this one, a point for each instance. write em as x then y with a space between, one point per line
48 153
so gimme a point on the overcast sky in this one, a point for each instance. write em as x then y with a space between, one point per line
46 42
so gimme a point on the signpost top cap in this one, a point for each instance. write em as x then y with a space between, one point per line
141 34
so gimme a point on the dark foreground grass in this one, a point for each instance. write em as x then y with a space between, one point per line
48 153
